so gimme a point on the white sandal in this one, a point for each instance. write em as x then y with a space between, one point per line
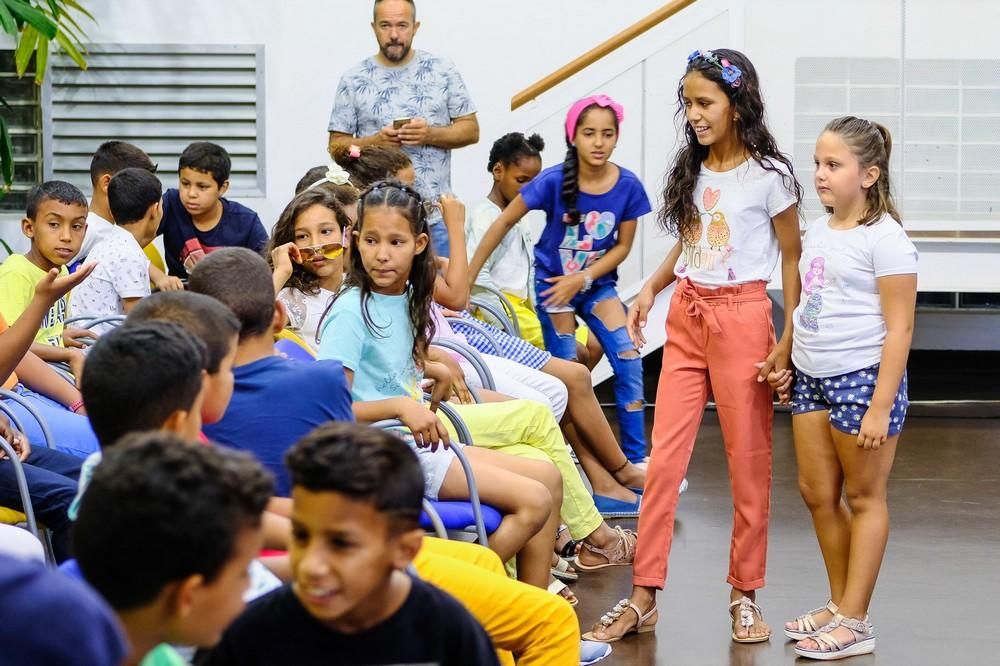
805 625
831 649
562 571
747 617
556 587
644 622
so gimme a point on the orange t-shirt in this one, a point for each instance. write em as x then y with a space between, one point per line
11 381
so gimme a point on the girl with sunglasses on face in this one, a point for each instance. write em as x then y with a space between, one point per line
306 253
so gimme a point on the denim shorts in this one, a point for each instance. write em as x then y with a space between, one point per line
847 397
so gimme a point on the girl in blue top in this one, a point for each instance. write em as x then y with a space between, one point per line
592 207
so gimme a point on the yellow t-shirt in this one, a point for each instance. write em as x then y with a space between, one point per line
18 278
9 382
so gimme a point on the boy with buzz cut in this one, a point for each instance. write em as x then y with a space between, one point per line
165 533
121 277
197 219
356 496
55 221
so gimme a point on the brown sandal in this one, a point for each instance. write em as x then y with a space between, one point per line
620 554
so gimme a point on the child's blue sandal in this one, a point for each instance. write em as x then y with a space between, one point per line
831 649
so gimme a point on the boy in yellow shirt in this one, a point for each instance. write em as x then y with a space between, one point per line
56 222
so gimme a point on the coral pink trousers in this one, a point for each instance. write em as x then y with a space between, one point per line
714 338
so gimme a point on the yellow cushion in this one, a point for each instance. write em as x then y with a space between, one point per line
11 517
286 334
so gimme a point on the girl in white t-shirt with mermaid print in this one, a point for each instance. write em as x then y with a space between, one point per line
853 329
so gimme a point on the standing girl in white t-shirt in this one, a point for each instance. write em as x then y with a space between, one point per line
731 200
853 329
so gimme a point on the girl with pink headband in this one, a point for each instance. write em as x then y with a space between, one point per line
592 207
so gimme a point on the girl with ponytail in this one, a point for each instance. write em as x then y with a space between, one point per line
849 398
592 207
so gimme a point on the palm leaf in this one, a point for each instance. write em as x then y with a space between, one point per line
10 252
71 50
6 155
33 17
41 59
54 6
25 48
7 22
73 4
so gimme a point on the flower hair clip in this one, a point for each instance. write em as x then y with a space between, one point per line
334 174
731 74
354 152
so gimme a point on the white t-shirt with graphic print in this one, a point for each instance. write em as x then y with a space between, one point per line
734 242
122 272
838 325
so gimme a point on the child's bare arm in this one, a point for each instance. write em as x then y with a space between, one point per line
510 216
40 378
452 291
424 424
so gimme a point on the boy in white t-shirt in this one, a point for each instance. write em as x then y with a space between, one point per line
122 274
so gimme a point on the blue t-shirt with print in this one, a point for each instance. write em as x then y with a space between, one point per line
381 357
239 226
276 401
370 96
570 248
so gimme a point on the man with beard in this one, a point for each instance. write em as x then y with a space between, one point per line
406 99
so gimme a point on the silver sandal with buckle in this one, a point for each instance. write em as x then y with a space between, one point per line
830 648
805 625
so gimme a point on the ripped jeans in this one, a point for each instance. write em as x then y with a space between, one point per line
623 356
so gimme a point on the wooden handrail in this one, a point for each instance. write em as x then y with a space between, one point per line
598 52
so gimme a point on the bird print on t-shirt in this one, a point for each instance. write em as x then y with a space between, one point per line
717 237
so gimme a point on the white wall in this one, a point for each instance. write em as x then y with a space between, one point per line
499 47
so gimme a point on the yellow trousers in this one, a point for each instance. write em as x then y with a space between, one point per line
539 627
527 429
531 328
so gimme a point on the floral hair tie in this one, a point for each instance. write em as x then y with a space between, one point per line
334 174
731 74
354 152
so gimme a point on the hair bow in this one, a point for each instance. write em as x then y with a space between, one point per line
334 174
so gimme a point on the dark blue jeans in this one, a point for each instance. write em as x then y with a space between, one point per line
629 399
52 479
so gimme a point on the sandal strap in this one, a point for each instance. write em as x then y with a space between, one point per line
862 627
622 551
826 642
619 609
747 610
806 624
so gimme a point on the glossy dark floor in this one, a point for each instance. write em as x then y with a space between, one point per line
938 596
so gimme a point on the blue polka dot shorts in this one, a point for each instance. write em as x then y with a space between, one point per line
847 397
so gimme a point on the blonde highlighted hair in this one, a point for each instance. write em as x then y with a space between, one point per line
871 143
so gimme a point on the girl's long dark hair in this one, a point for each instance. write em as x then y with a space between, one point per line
679 214
284 232
406 200
571 169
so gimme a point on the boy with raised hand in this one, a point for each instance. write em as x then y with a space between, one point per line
197 219
166 533
357 496
21 371
121 278
55 221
